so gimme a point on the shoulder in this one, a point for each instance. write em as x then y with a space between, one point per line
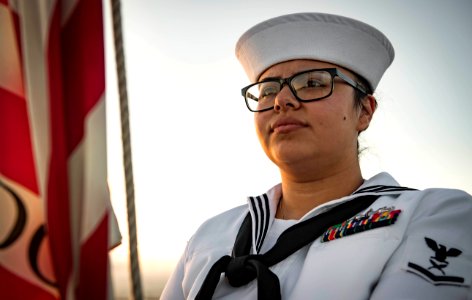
438 194
440 201
229 218
218 231
385 184
437 208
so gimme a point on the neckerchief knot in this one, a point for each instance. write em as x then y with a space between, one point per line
241 270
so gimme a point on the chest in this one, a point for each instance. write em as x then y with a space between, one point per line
348 267
343 268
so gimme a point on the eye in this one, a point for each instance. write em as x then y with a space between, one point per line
268 91
311 80
312 83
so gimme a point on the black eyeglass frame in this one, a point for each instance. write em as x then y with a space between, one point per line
287 81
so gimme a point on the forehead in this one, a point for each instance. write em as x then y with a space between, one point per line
288 68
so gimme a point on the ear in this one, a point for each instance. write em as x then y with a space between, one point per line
369 105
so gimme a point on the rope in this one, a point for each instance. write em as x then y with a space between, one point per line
126 141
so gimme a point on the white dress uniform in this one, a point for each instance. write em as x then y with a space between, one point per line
424 252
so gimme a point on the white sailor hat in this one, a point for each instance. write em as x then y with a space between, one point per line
339 40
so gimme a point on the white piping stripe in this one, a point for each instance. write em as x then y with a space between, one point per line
255 226
266 218
261 223
261 212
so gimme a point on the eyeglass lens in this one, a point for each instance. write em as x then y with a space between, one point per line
306 86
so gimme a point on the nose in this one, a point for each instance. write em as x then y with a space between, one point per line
285 100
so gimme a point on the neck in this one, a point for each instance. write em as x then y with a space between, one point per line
300 194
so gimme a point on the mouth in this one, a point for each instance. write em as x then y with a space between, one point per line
286 125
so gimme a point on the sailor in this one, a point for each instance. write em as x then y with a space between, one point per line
325 232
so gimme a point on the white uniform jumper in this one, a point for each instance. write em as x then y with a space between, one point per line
425 254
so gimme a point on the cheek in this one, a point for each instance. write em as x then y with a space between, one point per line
260 123
331 118
336 121
346 114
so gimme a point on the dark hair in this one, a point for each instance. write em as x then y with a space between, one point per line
358 95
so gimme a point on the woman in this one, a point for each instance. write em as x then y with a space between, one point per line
324 232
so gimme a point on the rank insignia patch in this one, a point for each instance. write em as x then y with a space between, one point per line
369 220
436 270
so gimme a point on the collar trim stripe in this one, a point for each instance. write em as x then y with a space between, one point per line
266 221
256 216
382 188
260 207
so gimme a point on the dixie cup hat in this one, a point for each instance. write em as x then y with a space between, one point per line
336 39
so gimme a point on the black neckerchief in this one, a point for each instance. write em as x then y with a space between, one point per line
241 267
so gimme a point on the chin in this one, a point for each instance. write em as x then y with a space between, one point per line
291 156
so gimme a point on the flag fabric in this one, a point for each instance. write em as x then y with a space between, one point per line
56 221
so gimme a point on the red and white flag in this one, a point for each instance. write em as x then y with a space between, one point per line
56 222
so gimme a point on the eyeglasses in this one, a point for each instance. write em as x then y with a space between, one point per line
306 86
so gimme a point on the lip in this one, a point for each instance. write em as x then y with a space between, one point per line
286 125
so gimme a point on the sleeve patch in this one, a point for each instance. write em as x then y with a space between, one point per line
438 262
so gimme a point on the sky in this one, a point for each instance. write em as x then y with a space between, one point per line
195 151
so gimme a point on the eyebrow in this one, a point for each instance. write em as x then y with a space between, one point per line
280 77
270 78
